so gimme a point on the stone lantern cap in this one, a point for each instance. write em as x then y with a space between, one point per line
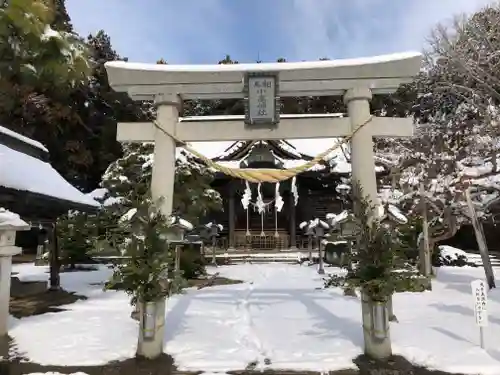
10 221
180 223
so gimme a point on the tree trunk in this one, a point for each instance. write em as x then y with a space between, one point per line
424 248
376 332
309 247
55 265
452 228
321 268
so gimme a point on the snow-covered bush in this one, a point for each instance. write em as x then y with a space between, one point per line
452 257
126 183
147 272
128 180
377 264
76 238
192 262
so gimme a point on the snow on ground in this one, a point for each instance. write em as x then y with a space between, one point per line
278 314
93 331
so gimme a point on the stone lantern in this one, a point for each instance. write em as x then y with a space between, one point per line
319 228
213 232
10 223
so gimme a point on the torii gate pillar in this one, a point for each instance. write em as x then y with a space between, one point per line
362 155
167 116
162 187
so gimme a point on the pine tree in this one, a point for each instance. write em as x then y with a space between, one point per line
97 109
147 274
129 179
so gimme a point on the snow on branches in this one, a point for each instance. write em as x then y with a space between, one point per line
457 138
128 179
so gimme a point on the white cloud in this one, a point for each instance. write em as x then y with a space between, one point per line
204 30
419 20
366 27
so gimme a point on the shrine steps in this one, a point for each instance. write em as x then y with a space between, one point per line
291 257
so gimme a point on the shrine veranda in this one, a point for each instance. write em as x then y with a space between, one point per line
267 218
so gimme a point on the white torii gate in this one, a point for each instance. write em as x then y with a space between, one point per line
168 85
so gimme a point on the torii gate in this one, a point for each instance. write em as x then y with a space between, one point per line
168 85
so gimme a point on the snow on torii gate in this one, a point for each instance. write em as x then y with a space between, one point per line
357 80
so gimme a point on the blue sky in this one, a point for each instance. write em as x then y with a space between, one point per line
204 31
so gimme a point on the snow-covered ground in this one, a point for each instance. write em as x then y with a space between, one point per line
279 314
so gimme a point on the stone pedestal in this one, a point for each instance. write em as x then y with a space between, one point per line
376 328
10 223
6 254
151 329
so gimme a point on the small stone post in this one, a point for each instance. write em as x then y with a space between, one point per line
321 263
42 246
214 232
319 232
310 247
10 223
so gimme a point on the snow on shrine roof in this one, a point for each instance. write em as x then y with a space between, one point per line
282 149
382 74
25 173
307 147
22 138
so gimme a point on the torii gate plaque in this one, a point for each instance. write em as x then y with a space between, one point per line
262 104
356 80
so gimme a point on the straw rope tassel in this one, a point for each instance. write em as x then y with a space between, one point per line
263 175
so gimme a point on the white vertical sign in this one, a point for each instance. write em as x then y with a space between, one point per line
480 290
479 293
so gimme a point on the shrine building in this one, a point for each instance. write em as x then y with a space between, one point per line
320 190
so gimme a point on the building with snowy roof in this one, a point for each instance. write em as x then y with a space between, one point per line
317 189
32 188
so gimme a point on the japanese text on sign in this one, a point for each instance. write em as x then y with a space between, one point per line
479 292
261 99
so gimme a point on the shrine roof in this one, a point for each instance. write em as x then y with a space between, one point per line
24 170
21 138
281 149
382 74
231 154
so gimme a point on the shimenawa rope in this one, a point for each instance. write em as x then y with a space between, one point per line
262 175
